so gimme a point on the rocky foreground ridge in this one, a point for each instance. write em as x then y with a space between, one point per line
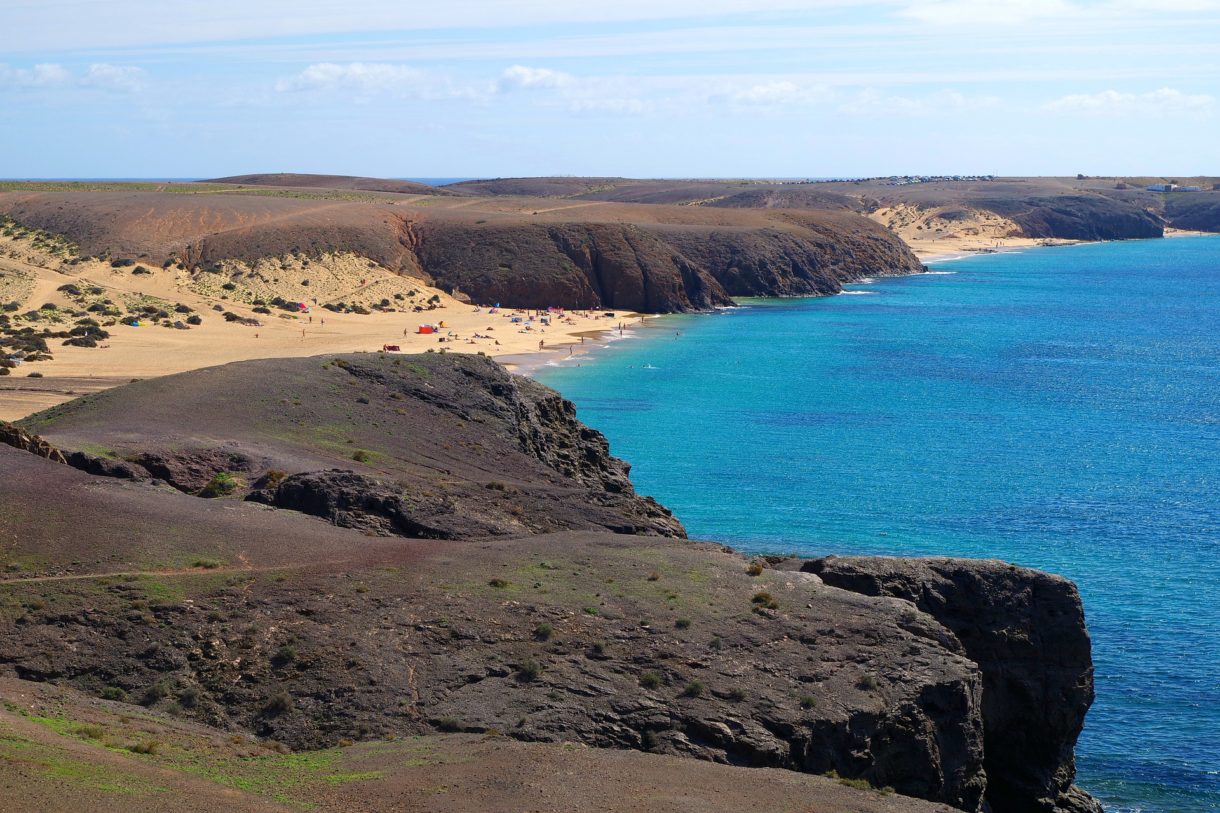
350 549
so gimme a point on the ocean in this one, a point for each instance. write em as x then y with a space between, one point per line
1057 407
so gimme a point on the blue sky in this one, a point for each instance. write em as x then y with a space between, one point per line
672 88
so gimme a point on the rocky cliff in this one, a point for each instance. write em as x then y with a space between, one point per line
1026 631
364 547
1194 211
641 257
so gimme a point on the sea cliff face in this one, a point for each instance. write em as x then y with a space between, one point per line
361 547
1026 631
634 256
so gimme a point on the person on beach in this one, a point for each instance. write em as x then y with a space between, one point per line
540 344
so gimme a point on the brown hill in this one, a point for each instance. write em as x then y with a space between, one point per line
519 252
306 181
1052 208
358 624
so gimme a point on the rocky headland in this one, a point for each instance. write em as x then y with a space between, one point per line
335 553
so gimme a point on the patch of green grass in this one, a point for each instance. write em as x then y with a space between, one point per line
222 484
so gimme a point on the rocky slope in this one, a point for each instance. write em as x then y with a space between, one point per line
1194 211
446 565
61 751
440 446
522 253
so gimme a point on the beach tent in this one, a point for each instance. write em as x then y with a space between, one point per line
426 329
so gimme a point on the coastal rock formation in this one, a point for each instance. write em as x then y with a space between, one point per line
578 265
1025 629
659 268
1078 217
656 259
473 450
1194 211
464 581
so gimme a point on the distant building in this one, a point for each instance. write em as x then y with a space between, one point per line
1190 189
1162 187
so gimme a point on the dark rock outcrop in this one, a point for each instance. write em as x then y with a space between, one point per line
1078 217
1194 211
18 438
453 445
659 268
350 500
777 263
1025 629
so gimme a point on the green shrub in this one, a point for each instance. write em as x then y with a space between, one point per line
682 623
222 484
529 670
693 689
764 600
808 701
113 693
155 692
737 694
499 584
362 456
650 680
869 683
278 703
150 747
755 568
544 631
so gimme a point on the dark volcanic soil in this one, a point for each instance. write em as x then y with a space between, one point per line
63 752
457 575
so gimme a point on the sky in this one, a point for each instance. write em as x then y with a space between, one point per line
638 88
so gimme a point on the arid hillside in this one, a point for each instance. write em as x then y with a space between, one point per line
347 551
520 252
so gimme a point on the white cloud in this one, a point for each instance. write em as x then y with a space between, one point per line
39 76
365 80
1162 102
874 103
113 77
779 93
367 77
99 75
520 77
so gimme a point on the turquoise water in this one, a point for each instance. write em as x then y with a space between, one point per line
1058 408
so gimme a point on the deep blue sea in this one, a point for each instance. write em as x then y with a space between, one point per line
1058 408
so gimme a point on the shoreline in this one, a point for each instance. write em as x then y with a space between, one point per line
150 352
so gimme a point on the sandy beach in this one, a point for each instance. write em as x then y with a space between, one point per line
33 279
